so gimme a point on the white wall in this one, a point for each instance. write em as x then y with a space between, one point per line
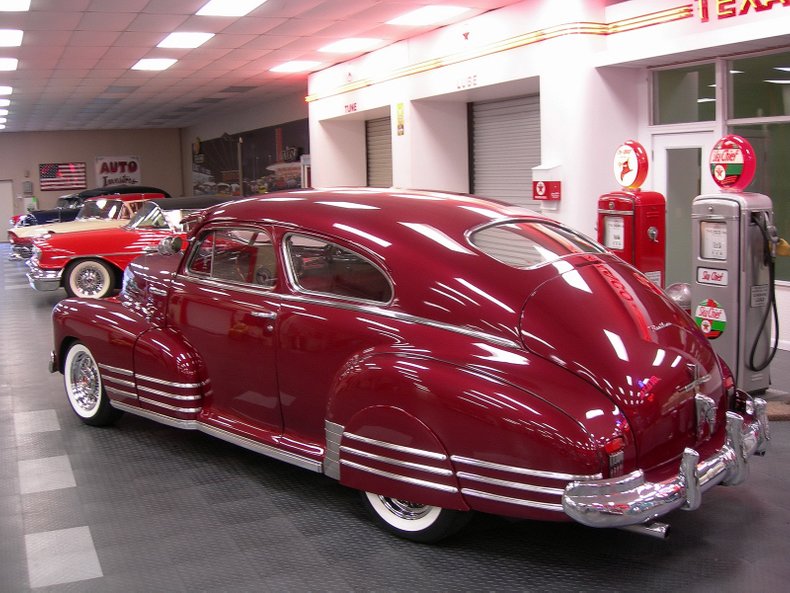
22 152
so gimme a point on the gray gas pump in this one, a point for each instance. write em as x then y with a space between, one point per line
733 244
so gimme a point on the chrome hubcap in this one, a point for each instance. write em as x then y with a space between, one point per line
84 382
90 281
404 509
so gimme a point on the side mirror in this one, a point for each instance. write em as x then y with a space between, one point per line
170 245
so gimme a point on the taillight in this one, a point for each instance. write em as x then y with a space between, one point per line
615 452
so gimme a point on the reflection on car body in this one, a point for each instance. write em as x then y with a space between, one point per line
439 353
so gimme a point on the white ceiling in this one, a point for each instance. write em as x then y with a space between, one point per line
75 58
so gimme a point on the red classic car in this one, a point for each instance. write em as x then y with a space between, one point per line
90 263
439 353
101 212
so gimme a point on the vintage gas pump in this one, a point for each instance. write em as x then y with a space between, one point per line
733 252
632 222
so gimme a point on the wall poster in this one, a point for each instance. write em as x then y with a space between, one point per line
270 160
117 170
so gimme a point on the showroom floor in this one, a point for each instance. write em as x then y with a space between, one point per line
142 507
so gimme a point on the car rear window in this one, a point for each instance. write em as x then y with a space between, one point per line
321 267
529 244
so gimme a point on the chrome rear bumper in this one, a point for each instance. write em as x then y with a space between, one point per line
631 500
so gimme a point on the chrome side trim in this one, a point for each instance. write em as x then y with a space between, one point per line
509 484
121 392
546 506
269 451
371 309
334 432
118 370
523 470
399 478
408 464
156 416
153 402
393 447
171 383
619 212
117 381
170 395
292 458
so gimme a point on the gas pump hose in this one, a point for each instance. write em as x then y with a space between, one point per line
771 261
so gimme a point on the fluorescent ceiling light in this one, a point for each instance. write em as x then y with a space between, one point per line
350 45
229 7
14 5
2 126
777 81
11 37
295 66
154 64
736 71
706 100
8 64
185 40
3 111
782 68
3 120
428 15
5 102
6 90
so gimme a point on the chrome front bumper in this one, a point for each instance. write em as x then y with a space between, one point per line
631 500
43 279
21 251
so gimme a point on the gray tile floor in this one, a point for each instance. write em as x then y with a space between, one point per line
142 507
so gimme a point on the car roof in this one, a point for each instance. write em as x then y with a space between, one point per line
386 215
128 197
117 189
193 202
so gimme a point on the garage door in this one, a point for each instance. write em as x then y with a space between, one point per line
505 147
379 152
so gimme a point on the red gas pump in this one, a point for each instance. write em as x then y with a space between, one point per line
632 222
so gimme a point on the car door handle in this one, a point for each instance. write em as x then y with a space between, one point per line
264 314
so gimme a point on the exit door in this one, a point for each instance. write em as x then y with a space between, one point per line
680 164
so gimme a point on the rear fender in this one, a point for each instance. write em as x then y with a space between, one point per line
462 420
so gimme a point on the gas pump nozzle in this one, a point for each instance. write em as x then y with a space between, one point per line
767 228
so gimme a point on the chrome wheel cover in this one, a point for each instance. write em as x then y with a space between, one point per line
404 509
89 281
84 382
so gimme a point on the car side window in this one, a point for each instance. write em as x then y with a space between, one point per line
237 255
319 266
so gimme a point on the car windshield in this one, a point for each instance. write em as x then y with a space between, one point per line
149 216
68 202
529 244
102 208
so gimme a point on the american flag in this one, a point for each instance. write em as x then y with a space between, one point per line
59 176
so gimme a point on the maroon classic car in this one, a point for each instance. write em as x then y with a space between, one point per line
90 263
439 353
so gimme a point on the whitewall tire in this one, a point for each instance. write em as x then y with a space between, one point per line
416 522
89 279
85 389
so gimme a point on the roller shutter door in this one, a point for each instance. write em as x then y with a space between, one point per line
505 147
379 152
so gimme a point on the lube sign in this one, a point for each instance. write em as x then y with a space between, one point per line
117 170
724 9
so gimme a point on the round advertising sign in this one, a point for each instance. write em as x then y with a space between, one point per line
710 318
630 165
732 163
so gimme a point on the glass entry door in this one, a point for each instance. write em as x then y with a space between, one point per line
680 173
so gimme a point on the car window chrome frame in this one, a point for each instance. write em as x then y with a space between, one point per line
505 221
193 244
293 283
